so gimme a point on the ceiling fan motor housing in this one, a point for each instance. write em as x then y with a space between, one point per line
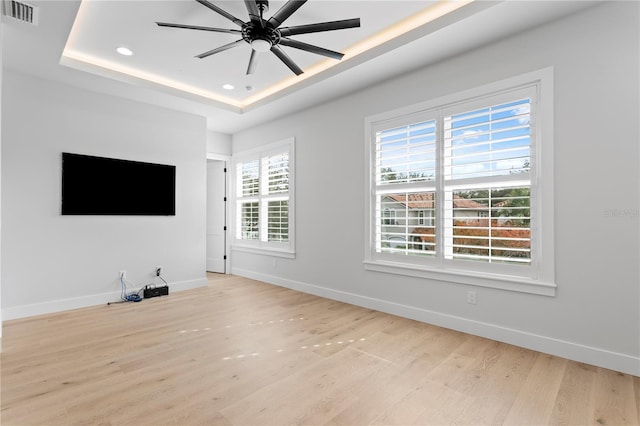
251 32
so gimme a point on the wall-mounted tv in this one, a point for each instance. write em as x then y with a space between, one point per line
109 186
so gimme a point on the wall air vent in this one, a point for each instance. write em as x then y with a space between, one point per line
21 11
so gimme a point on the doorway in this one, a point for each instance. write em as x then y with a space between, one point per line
217 216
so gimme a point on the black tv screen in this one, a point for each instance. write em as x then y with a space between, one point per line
108 186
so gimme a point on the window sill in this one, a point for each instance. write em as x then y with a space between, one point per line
265 251
502 282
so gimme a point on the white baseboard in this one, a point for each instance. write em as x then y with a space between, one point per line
23 311
573 351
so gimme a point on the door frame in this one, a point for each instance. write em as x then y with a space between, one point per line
227 241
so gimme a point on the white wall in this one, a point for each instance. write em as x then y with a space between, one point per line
218 143
52 262
595 316
1 70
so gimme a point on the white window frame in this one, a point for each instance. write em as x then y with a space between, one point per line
536 278
262 245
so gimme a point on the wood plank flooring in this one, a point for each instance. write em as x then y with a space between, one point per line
241 352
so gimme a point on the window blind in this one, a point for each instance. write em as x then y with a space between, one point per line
249 178
406 154
487 185
263 198
276 169
484 156
406 167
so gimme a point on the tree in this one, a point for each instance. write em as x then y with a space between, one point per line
387 174
489 237
514 204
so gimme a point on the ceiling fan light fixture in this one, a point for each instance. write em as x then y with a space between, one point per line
260 45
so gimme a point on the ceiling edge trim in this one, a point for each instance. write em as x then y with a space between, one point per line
95 66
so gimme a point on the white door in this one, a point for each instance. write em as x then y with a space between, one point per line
216 216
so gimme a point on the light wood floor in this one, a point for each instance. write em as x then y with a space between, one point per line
242 352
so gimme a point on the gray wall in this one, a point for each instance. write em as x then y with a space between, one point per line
1 74
218 143
52 262
595 315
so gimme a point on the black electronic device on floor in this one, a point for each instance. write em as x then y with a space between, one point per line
156 291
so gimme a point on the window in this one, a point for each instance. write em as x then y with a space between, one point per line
388 216
264 198
486 158
463 175
425 217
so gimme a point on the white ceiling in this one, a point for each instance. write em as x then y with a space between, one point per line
75 43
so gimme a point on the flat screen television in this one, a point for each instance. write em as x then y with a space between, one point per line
109 186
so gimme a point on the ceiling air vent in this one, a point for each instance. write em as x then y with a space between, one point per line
21 11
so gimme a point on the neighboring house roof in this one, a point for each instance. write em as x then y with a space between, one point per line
414 201
463 203
425 201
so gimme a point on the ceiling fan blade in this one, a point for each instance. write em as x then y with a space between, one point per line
310 48
321 26
196 27
253 62
254 13
221 12
285 11
220 49
286 59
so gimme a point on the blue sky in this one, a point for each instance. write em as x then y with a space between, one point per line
486 141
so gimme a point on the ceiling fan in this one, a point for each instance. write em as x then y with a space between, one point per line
267 34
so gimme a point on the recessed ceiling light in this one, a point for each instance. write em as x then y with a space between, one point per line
228 86
124 51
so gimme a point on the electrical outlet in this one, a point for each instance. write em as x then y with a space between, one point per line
123 274
158 271
471 297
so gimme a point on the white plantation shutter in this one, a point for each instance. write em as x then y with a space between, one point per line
249 173
275 187
278 220
487 187
276 173
460 187
249 220
406 154
405 169
400 230
491 141
264 198
491 225
248 191
454 183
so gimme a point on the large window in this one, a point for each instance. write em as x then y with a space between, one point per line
264 198
463 176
